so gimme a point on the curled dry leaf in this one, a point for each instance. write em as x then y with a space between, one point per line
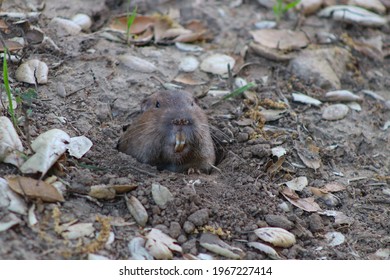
307 204
160 245
277 236
161 195
78 230
11 148
78 146
268 250
137 249
48 148
34 189
188 47
32 218
269 53
297 184
137 210
353 14
335 238
282 39
124 188
10 200
102 192
214 244
334 187
140 24
8 221
302 98
137 64
329 198
342 95
309 154
340 217
11 46
32 72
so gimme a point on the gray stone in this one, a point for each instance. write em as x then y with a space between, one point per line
199 218
279 221
188 227
315 223
174 229
324 66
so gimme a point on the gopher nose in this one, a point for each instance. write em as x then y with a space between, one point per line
181 121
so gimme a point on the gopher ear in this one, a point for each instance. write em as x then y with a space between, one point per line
145 104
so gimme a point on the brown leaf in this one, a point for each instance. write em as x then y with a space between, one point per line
11 46
283 39
274 167
309 154
307 204
143 38
160 28
140 24
34 189
334 187
192 79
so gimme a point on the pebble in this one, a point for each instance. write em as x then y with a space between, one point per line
279 221
309 6
190 247
315 223
284 207
217 64
261 150
189 64
161 195
199 218
242 137
265 24
188 227
174 229
163 228
335 112
82 20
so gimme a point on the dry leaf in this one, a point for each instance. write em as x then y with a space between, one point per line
102 192
11 148
78 146
307 204
309 154
137 249
334 187
78 230
137 210
140 24
11 46
34 189
277 236
8 221
161 195
212 243
49 147
297 184
275 167
160 245
283 39
268 250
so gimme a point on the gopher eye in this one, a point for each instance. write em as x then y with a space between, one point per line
192 103
157 104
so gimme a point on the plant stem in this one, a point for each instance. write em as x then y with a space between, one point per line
8 89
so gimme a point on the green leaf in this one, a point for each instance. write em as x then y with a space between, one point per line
291 5
239 91
8 89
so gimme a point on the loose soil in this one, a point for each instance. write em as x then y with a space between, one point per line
244 193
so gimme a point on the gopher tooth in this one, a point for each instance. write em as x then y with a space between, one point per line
180 142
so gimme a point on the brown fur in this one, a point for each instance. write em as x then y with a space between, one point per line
151 137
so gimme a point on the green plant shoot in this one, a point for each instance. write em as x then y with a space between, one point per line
130 20
239 91
280 8
8 89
